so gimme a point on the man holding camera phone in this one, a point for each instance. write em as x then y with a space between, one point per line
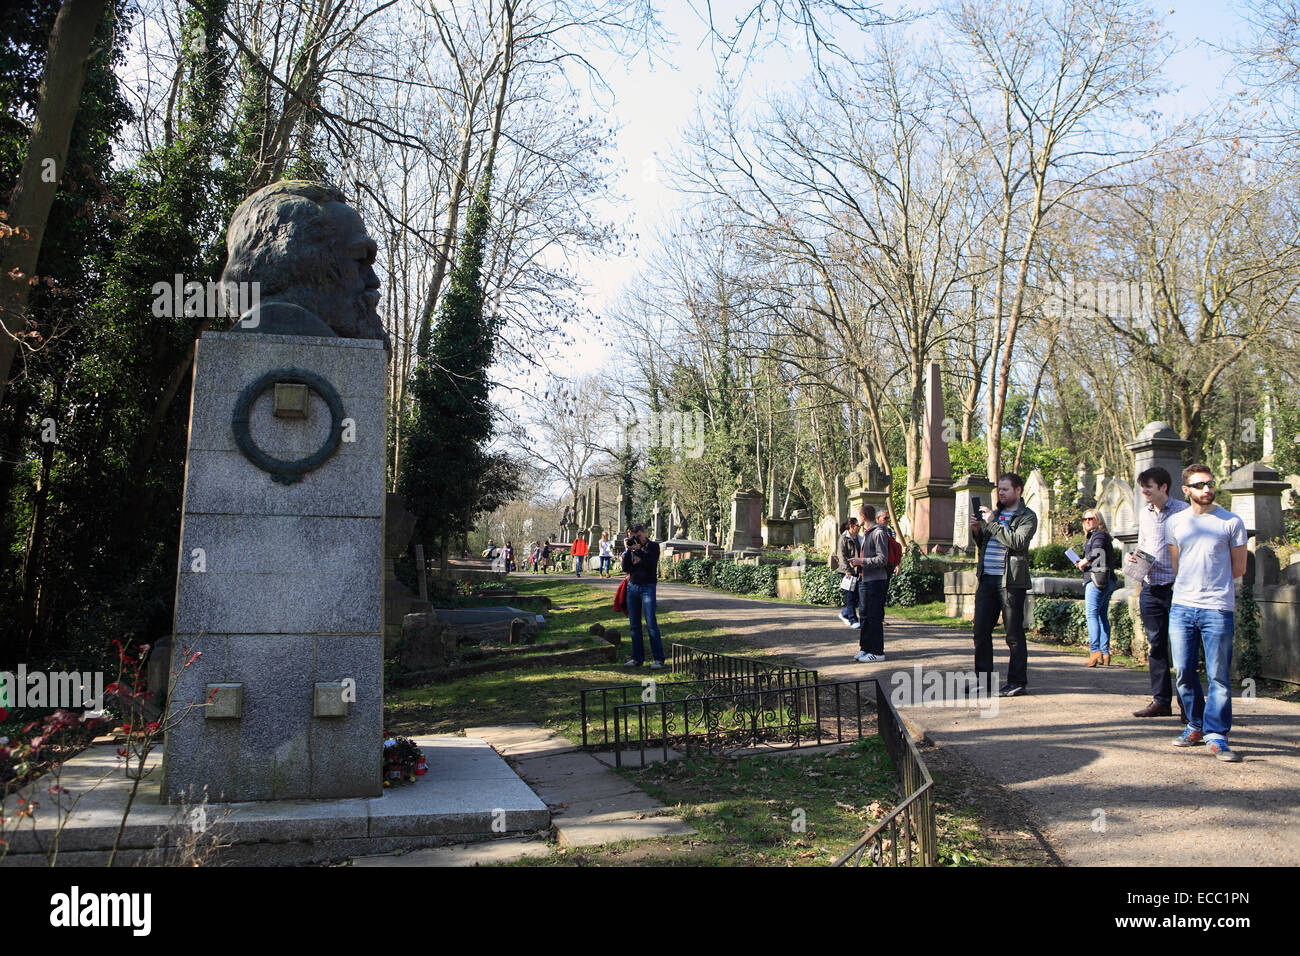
1003 538
641 564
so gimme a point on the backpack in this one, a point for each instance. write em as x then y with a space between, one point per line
895 554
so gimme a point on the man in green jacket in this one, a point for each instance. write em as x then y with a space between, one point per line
1003 538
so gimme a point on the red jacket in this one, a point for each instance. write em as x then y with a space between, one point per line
580 548
620 597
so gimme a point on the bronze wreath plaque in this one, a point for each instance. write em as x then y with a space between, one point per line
287 472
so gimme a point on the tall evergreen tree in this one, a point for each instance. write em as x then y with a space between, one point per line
446 466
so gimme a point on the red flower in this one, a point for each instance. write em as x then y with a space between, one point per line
4 714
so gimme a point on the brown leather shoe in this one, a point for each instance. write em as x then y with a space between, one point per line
1105 660
1094 659
1154 709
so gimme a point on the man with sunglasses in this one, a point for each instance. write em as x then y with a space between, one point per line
1158 584
1207 548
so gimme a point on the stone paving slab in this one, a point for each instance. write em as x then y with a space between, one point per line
468 854
592 804
1070 746
615 831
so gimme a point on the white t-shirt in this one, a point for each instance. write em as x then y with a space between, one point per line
1204 557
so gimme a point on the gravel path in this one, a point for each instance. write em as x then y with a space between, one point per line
1109 787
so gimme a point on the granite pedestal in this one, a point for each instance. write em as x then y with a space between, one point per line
280 583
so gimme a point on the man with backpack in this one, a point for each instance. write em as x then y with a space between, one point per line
872 563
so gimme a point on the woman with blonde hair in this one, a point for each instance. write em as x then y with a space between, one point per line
1098 584
606 554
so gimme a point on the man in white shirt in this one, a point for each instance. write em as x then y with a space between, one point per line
1207 548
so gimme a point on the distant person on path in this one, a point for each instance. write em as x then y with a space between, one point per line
510 556
1207 548
1003 538
579 552
546 558
534 555
848 550
641 564
1157 586
606 554
872 563
1098 584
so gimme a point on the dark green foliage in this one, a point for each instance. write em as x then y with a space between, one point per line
1062 619
734 577
1050 557
1121 629
764 580
918 580
446 468
821 586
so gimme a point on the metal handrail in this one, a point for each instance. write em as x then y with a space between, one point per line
916 812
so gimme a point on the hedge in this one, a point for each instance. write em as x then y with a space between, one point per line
728 576
821 586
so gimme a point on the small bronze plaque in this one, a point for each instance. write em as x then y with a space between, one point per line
290 400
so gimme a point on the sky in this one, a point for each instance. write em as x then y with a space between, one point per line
653 101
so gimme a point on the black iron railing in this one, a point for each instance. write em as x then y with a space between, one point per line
603 700
907 835
799 713
699 665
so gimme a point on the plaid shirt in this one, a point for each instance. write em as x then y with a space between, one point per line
1152 540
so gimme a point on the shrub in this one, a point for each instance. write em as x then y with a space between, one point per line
1061 619
734 577
821 586
1121 629
1050 557
765 580
918 580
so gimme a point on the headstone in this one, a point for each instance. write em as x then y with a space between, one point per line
801 527
1085 486
755 518
965 490
867 484
1270 431
1038 498
1115 502
657 529
281 580
1256 491
828 535
932 504
1156 444
778 532
1268 570
741 535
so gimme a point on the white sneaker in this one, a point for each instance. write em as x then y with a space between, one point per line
872 658
847 622
860 657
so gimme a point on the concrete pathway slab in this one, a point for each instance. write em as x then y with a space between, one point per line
592 834
468 854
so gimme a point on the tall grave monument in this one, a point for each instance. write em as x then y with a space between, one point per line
280 583
933 504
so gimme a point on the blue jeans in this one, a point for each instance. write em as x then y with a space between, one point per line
577 563
1096 601
871 612
851 603
1189 629
641 600
605 561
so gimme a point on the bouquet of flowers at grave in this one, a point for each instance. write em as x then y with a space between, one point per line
403 760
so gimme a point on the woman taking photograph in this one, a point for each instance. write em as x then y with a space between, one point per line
1098 583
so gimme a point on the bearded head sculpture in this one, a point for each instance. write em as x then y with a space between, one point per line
311 260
